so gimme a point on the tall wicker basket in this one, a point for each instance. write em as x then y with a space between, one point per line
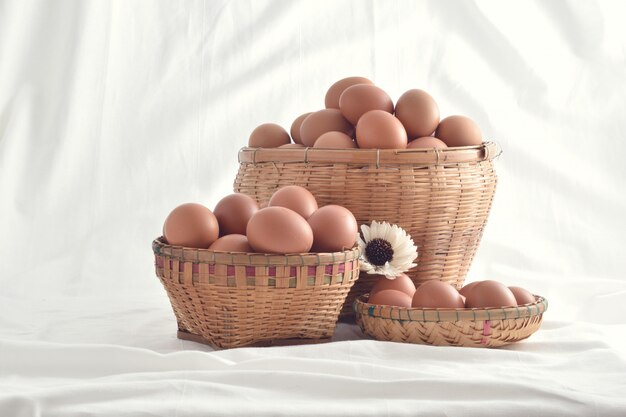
440 197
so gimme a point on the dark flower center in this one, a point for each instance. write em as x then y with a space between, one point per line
378 251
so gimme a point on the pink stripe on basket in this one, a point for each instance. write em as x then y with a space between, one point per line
250 270
486 332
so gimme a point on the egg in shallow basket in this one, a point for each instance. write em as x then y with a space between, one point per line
470 327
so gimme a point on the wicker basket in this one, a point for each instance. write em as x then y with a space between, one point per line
441 197
243 299
489 327
363 285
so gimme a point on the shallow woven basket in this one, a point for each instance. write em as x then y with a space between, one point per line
229 299
441 197
489 327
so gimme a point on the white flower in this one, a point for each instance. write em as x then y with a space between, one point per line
386 249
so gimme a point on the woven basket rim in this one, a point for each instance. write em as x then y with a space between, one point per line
448 314
417 156
198 255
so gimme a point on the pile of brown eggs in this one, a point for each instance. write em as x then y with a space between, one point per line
359 114
291 223
401 292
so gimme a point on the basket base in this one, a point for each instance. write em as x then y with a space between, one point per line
185 335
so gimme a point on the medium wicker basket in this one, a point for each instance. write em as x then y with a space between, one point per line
229 299
489 327
441 197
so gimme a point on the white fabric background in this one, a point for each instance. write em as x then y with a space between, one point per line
112 113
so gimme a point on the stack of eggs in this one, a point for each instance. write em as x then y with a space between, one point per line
359 114
401 292
291 223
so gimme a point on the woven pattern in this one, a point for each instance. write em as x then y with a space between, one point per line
490 327
363 286
238 299
440 197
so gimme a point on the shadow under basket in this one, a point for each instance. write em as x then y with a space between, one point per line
228 299
488 327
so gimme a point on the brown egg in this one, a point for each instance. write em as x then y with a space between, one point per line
378 129
390 298
191 225
279 230
359 99
233 213
459 131
320 122
231 243
437 294
468 288
426 142
268 135
401 283
522 296
334 140
334 229
292 145
295 198
295 127
334 92
490 294
418 112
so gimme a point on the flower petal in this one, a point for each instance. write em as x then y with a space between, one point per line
366 232
368 267
374 230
